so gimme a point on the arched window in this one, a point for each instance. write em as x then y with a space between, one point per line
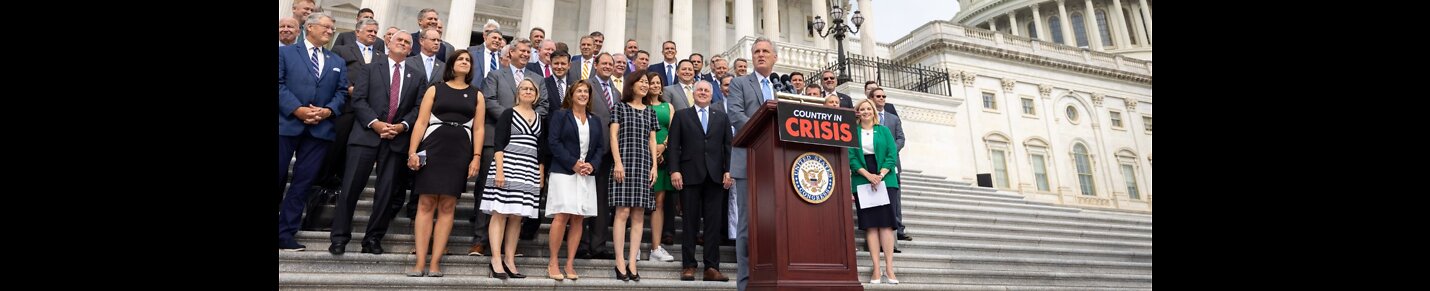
1032 30
1079 29
1055 27
998 154
1102 27
1038 157
1084 170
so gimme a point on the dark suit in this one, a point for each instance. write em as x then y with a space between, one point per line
565 144
889 107
298 86
704 159
536 67
554 95
845 101
350 38
717 95
659 68
417 47
594 238
438 69
896 127
371 104
331 173
480 57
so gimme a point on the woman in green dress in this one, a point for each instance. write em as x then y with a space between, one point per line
663 114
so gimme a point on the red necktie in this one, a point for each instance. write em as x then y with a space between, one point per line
392 92
546 68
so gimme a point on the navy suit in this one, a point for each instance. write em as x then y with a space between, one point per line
565 144
298 86
659 68
371 104
442 50
480 66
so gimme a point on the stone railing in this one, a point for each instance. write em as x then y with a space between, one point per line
943 31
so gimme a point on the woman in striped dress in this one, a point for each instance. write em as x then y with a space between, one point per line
633 130
514 178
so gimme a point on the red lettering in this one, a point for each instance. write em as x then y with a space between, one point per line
804 127
845 136
789 126
825 130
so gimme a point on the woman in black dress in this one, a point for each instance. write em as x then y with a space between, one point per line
449 133
633 129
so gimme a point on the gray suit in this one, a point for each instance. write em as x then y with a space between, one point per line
745 98
676 96
896 126
500 91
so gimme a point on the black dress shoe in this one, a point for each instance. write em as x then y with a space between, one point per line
585 255
897 251
906 237
604 256
372 248
337 249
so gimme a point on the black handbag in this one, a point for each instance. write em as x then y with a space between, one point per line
319 213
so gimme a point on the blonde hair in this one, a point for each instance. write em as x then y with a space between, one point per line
872 105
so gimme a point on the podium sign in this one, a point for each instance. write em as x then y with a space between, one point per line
801 212
816 124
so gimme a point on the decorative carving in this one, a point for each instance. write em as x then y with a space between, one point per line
1097 201
1046 91
968 79
1008 84
1097 99
940 117
1131 104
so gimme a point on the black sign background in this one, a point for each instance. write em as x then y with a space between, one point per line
817 124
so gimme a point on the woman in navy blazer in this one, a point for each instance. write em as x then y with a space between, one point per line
577 142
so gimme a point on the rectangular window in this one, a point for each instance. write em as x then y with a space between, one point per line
989 101
1130 176
1000 169
1147 122
1116 118
1040 172
1028 107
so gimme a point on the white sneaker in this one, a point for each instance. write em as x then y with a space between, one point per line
660 254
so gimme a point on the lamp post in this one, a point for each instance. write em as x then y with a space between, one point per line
838 29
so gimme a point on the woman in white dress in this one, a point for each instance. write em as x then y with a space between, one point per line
577 141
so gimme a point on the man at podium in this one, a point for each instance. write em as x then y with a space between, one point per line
747 94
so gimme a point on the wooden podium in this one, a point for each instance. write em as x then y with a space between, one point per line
794 244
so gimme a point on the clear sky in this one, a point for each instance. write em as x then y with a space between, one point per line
896 18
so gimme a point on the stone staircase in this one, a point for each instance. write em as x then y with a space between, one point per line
965 238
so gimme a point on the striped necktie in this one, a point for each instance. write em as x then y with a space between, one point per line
316 72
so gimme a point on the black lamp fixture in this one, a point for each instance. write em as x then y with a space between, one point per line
838 30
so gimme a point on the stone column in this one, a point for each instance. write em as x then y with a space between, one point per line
1137 27
1119 23
682 24
993 24
1147 10
382 12
772 19
543 15
744 21
595 22
1094 35
717 28
1013 22
1068 37
615 29
1040 25
867 47
458 28
285 8
659 29
821 9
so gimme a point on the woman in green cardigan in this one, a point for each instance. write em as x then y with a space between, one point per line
873 162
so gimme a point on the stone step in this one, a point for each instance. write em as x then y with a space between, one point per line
909 192
949 199
1021 240
457 245
325 281
970 249
1018 278
453 265
986 218
1003 211
1007 263
939 230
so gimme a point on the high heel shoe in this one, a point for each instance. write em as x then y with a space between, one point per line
890 281
633 275
513 275
620 276
498 275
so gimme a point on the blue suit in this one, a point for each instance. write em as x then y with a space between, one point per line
659 68
479 64
297 87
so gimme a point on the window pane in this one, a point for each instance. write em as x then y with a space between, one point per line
1147 121
1032 30
1000 169
1084 169
1131 177
989 101
1072 113
1079 29
1116 118
1028 106
1040 172
1055 27
1102 27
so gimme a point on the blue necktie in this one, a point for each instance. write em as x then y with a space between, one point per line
316 72
704 122
881 117
493 67
765 88
669 74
